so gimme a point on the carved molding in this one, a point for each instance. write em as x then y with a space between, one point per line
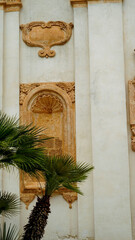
47 103
11 5
83 3
69 88
131 85
46 35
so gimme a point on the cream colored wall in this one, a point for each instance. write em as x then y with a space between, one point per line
129 46
59 68
96 59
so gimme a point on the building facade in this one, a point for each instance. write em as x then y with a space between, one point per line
75 58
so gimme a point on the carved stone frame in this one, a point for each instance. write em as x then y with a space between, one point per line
29 192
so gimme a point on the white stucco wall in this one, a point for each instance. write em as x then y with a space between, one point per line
129 46
34 68
109 123
96 59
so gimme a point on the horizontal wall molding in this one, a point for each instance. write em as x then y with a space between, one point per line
83 3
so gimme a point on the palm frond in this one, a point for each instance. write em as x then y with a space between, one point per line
9 204
9 233
20 145
64 172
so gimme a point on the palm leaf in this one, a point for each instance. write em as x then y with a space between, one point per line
9 204
64 172
9 233
20 145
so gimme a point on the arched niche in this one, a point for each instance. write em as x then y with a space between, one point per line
51 106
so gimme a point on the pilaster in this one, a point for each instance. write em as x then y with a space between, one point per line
11 83
83 120
112 215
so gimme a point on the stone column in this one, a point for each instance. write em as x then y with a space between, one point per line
11 81
109 121
83 119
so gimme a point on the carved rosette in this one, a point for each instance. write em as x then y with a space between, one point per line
46 35
132 111
11 5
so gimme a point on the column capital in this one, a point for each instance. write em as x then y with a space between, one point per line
81 3
10 5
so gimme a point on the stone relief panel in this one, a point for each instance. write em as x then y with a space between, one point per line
131 85
46 35
51 106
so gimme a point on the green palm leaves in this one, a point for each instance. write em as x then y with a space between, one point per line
9 204
9 233
64 172
19 145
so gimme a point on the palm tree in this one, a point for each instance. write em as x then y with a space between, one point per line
20 146
62 172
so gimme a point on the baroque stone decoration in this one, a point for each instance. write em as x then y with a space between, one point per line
47 104
11 5
131 85
46 35
52 107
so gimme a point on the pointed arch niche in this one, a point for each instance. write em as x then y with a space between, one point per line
51 106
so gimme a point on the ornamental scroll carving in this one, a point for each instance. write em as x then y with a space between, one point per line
52 107
46 35
131 85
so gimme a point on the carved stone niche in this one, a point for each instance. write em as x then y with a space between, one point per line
131 85
51 106
46 35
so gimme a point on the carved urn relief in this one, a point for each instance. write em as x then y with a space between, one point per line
46 35
51 106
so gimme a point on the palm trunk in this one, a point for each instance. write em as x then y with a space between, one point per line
34 230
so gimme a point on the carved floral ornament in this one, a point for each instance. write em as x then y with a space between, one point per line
46 35
11 5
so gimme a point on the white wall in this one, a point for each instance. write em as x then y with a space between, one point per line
97 61
109 123
129 46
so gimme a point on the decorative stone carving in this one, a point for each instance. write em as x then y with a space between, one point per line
27 199
68 87
47 104
52 107
70 197
132 111
46 35
11 5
